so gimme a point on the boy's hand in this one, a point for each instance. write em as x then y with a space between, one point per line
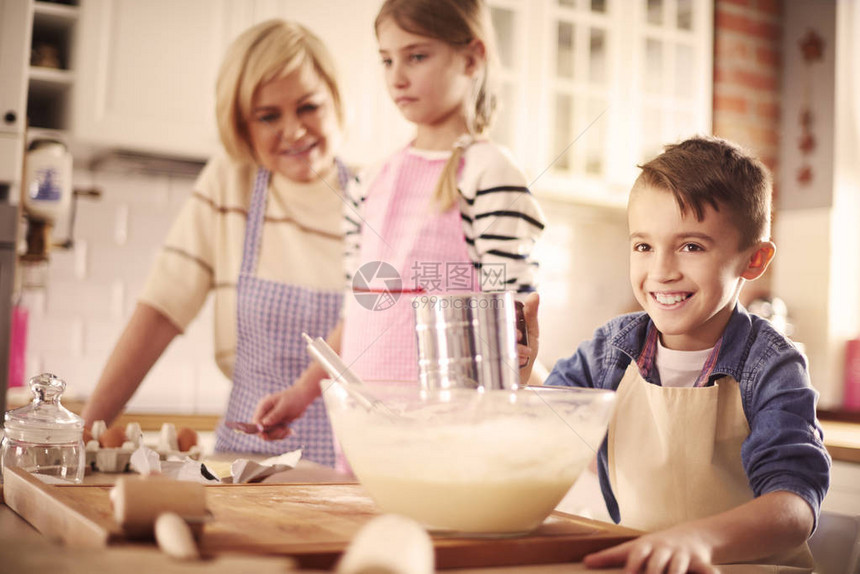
676 550
528 353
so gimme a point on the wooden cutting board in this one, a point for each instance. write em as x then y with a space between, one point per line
313 523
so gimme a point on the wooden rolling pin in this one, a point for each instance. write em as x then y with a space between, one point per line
389 544
155 506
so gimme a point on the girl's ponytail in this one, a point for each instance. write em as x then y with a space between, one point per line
446 195
479 116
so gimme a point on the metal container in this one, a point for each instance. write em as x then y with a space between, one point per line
467 340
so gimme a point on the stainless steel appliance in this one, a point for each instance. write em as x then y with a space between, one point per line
8 235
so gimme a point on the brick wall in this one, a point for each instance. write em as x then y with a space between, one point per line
747 73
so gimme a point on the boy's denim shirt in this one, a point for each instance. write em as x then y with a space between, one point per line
784 450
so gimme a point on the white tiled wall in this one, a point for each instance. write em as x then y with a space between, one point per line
92 289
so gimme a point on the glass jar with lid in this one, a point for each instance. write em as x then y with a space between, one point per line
44 437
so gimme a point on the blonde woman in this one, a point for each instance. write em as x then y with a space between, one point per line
262 232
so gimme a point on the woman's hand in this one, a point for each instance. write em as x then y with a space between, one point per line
276 411
528 353
676 550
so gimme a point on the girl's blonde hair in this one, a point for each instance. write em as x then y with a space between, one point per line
268 51
457 23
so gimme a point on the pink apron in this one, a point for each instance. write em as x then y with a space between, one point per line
402 227
270 351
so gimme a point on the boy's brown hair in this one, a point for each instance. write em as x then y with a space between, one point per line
705 171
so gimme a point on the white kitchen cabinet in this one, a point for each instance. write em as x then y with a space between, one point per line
51 74
36 43
146 69
15 25
16 20
146 73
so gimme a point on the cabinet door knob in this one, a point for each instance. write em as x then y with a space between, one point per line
10 117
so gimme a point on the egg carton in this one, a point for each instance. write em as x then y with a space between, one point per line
116 459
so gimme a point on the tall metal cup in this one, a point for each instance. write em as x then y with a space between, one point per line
467 340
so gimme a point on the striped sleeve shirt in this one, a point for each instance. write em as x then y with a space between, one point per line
501 218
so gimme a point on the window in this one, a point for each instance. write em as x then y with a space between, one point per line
590 88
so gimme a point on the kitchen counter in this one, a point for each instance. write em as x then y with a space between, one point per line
841 427
841 434
24 550
842 440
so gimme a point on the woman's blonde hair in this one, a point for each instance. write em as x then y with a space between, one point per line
267 51
457 23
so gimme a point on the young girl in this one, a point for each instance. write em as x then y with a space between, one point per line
448 212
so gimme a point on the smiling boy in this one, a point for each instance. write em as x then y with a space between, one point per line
714 448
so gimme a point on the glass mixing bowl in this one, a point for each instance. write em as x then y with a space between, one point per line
488 463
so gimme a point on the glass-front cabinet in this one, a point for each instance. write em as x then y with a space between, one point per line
591 88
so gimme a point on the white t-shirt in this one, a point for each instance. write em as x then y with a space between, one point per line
680 368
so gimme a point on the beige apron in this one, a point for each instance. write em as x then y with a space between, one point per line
677 457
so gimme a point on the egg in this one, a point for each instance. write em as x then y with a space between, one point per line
113 437
88 435
186 438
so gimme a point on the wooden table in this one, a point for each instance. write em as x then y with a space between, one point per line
24 550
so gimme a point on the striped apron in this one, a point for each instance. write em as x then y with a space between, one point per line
270 351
